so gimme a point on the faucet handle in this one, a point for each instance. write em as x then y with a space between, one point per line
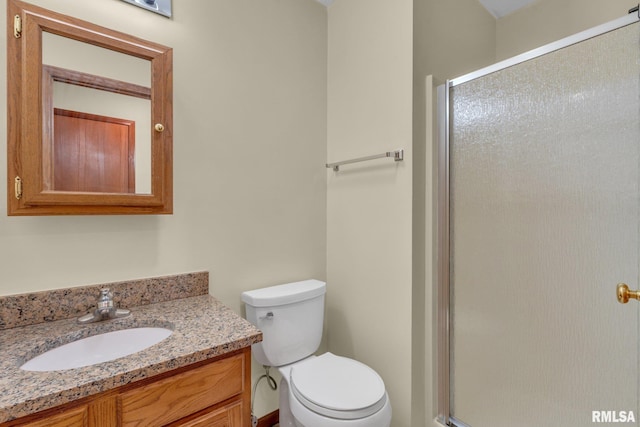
105 300
105 309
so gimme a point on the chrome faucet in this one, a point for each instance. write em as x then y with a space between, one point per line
105 309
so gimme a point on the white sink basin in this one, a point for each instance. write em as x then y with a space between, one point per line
97 349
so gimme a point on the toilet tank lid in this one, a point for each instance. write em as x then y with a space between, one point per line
284 294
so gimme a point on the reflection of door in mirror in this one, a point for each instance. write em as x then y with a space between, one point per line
94 96
93 153
82 77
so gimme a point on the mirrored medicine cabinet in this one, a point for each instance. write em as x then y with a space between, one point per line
89 118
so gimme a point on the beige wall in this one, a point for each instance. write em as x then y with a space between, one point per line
249 150
369 204
378 310
546 21
450 39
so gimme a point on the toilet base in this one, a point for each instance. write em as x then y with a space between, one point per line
286 417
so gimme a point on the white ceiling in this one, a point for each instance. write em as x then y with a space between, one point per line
500 8
497 8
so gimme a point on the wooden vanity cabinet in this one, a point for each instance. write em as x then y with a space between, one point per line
213 394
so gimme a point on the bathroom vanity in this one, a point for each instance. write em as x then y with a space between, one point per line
211 394
199 376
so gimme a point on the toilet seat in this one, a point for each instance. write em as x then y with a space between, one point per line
338 387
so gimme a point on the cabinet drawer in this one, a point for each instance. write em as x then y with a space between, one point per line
227 416
72 418
172 398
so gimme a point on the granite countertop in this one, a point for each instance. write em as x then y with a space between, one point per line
203 328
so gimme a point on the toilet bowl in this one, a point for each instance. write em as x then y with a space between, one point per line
333 391
315 391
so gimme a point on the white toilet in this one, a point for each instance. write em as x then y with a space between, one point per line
315 391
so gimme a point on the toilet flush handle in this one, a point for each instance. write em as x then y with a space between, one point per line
268 316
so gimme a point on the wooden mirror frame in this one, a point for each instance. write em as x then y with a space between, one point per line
28 126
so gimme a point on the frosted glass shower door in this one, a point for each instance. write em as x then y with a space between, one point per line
544 220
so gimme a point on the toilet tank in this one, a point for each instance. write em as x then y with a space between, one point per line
290 317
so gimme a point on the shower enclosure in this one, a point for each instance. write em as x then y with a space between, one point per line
539 169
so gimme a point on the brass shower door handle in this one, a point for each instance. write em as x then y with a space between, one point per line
624 294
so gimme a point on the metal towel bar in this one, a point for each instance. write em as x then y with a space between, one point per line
398 155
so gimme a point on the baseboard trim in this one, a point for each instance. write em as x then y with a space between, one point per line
270 419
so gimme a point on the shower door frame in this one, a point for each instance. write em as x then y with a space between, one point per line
443 265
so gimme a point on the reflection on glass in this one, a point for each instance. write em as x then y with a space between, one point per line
92 153
95 91
91 59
